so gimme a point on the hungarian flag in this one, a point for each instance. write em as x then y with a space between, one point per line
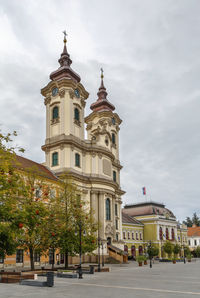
144 190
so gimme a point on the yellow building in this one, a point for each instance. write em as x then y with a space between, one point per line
158 225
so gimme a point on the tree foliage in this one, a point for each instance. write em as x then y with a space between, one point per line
195 220
168 248
152 251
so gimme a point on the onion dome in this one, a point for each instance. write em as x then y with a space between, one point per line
65 71
102 104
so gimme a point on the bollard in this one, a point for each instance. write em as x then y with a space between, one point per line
50 279
91 269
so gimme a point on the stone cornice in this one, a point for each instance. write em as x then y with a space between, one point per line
64 83
91 179
103 114
82 145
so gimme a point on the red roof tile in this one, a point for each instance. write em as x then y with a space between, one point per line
25 163
193 232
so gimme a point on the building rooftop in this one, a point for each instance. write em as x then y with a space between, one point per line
193 231
147 208
126 219
27 164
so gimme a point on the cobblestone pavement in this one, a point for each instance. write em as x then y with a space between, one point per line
163 280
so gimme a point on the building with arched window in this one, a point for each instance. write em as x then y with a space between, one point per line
157 224
93 162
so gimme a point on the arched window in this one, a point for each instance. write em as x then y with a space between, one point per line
108 215
140 250
55 159
161 234
124 235
172 234
55 113
125 248
128 235
77 160
133 250
132 236
167 234
76 114
113 138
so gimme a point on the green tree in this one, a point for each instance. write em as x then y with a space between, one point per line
195 220
188 222
70 213
176 249
32 213
9 189
168 248
152 251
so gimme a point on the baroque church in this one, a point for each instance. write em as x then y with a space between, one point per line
92 162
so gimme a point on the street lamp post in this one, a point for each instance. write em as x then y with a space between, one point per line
99 268
80 273
150 254
102 253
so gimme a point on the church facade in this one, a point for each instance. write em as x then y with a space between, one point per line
92 162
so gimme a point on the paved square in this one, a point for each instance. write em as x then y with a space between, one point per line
163 281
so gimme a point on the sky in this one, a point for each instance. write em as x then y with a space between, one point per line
149 50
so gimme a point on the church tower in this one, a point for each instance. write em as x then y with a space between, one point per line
93 163
65 100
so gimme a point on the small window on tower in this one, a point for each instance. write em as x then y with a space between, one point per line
113 139
55 113
76 114
55 159
77 160
114 176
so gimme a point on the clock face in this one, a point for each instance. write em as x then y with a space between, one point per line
76 92
55 91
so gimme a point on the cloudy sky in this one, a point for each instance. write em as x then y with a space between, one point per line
149 50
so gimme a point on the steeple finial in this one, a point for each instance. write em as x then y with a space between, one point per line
65 71
102 103
65 39
102 73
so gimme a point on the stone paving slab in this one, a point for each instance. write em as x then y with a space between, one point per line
162 281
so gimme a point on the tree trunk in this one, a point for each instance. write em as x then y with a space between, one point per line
31 258
66 260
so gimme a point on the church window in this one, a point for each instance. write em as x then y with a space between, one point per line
55 113
76 114
113 139
161 234
124 235
116 224
132 236
128 235
140 236
114 176
136 236
77 160
172 234
55 159
117 237
108 213
167 234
